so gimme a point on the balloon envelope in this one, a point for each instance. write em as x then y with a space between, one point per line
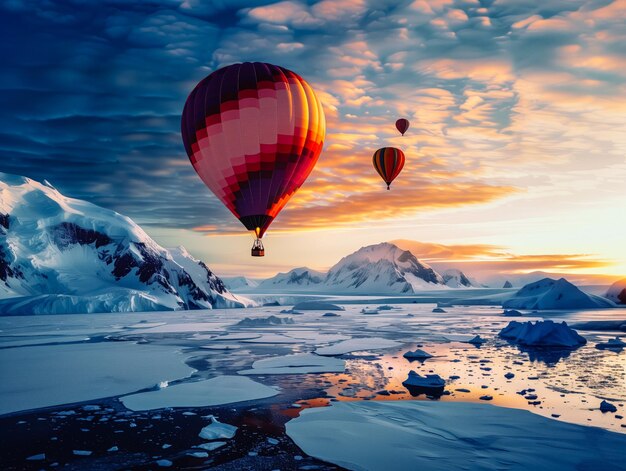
253 133
402 125
388 162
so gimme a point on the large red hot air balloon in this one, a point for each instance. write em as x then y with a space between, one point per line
253 133
402 125
388 162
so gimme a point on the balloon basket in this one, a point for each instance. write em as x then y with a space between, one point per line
257 249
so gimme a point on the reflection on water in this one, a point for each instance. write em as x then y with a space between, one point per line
560 384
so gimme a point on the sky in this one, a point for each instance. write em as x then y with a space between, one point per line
515 154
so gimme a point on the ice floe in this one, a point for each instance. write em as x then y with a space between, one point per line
444 435
417 354
357 344
211 392
293 364
46 376
317 306
264 321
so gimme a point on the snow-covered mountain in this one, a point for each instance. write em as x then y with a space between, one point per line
294 279
554 294
457 279
617 292
382 268
64 255
239 282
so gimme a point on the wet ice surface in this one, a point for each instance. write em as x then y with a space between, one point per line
565 385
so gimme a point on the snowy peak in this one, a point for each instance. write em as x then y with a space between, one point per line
616 293
296 278
59 254
383 268
554 294
457 279
239 283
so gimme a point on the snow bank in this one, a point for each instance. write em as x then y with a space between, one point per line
296 364
554 294
46 376
357 344
432 436
542 334
211 392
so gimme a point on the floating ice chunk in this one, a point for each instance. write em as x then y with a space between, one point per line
198 454
612 344
113 448
606 406
164 463
39 457
357 344
542 334
82 452
511 313
369 310
554 294
331 314
264 321
476 340
413 435
210 446
211 392
216 430
427 382
417 355
438 309
317 306
294 364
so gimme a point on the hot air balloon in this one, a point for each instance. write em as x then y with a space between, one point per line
253 133
388 162
402 125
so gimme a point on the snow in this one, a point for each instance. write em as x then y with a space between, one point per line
211 392
317 306
427 382
44 376
357 344
617 292
293 279
235 283
542 334
430 435
382 268
295 364
417 355
217 430
64 255
457 279
554 294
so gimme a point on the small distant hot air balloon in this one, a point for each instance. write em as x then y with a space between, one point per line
253 133
402 125
388 162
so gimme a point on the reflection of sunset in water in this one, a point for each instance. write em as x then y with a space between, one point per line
567 390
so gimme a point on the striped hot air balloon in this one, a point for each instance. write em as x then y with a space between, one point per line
388 162
253 133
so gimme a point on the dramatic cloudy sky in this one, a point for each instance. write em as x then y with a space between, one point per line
516 154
